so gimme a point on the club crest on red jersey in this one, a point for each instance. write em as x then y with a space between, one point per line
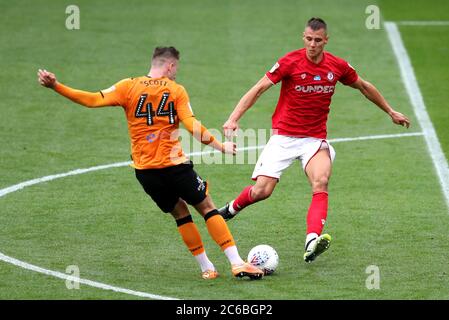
303 76
330 76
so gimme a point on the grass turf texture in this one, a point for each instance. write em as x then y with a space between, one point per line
386 207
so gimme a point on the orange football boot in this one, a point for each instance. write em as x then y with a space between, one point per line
209 274
247 270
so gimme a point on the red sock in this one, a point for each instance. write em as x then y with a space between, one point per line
316 217
244 199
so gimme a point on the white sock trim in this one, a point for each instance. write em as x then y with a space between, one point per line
233 255
231 208
310 237
204 262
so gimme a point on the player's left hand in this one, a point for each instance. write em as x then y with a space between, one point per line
400 119
46 78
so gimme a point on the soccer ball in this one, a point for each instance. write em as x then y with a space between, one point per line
264 257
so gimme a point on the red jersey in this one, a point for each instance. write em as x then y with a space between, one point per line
306 92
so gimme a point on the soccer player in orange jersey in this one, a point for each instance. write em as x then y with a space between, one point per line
154 105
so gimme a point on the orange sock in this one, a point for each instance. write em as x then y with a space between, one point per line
190 235
218 229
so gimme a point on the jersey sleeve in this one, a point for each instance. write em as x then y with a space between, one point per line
182 103
117 93
349 75
199 131
278 71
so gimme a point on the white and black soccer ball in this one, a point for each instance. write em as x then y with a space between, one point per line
264 257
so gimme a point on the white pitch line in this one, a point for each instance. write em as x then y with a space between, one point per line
28 183
336 140
382 136
434 23
414 93
90 283
19 186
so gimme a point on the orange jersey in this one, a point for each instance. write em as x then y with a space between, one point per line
153 108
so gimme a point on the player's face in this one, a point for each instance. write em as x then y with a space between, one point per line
172 69
314 41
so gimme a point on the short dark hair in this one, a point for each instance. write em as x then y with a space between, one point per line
316 23
166 53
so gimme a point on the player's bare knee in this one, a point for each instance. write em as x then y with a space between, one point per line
179 214
205 206
320 183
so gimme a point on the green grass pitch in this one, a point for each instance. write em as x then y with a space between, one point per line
386 204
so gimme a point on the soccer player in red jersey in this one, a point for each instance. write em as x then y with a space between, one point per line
309 76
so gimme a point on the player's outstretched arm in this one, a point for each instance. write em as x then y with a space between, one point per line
371 93
87 99
203 135
246 102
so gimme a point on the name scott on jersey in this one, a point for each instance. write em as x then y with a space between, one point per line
152 82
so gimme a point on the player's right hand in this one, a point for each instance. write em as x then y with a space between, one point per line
229 147
46 78
230 128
